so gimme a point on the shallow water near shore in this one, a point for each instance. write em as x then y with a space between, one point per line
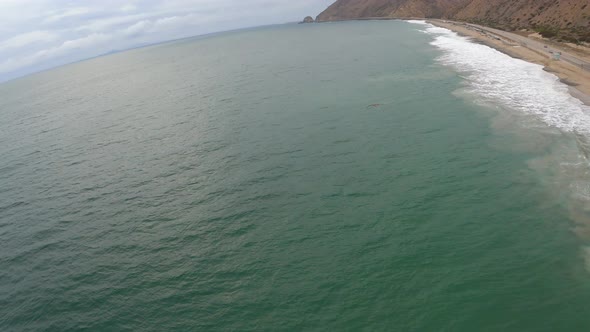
344 176
536 106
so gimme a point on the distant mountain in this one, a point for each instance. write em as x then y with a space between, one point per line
565 19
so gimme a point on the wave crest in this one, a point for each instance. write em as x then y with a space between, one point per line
512 83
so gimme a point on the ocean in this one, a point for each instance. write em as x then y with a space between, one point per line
374 175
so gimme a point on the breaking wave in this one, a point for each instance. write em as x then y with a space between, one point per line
525 89
511 83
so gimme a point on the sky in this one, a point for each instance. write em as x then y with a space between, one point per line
41 34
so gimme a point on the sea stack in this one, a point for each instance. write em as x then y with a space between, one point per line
308 19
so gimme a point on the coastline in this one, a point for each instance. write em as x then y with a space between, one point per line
576 78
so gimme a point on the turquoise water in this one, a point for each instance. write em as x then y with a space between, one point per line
346 176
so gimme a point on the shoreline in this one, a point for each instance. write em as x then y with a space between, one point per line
576 78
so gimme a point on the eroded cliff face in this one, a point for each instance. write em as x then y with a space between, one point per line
563 18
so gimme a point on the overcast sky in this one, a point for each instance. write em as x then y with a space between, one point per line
40 34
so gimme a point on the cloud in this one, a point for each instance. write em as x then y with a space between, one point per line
138 28
71 12
128 8
39 34
85 42
28 38
93 40
109 23
165 24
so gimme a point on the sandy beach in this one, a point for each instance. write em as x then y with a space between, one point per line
577 78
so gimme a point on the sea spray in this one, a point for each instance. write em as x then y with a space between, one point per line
513 83
519 90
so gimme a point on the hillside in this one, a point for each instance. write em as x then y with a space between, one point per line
563 19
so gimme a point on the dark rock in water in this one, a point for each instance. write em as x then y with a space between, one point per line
308 19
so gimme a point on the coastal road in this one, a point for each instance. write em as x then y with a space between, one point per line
534 45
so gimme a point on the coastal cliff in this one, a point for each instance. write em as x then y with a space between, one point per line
563 19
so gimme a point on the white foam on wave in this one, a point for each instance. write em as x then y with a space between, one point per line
511 83
524 89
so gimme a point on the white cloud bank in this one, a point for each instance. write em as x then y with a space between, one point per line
28 38
39 34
